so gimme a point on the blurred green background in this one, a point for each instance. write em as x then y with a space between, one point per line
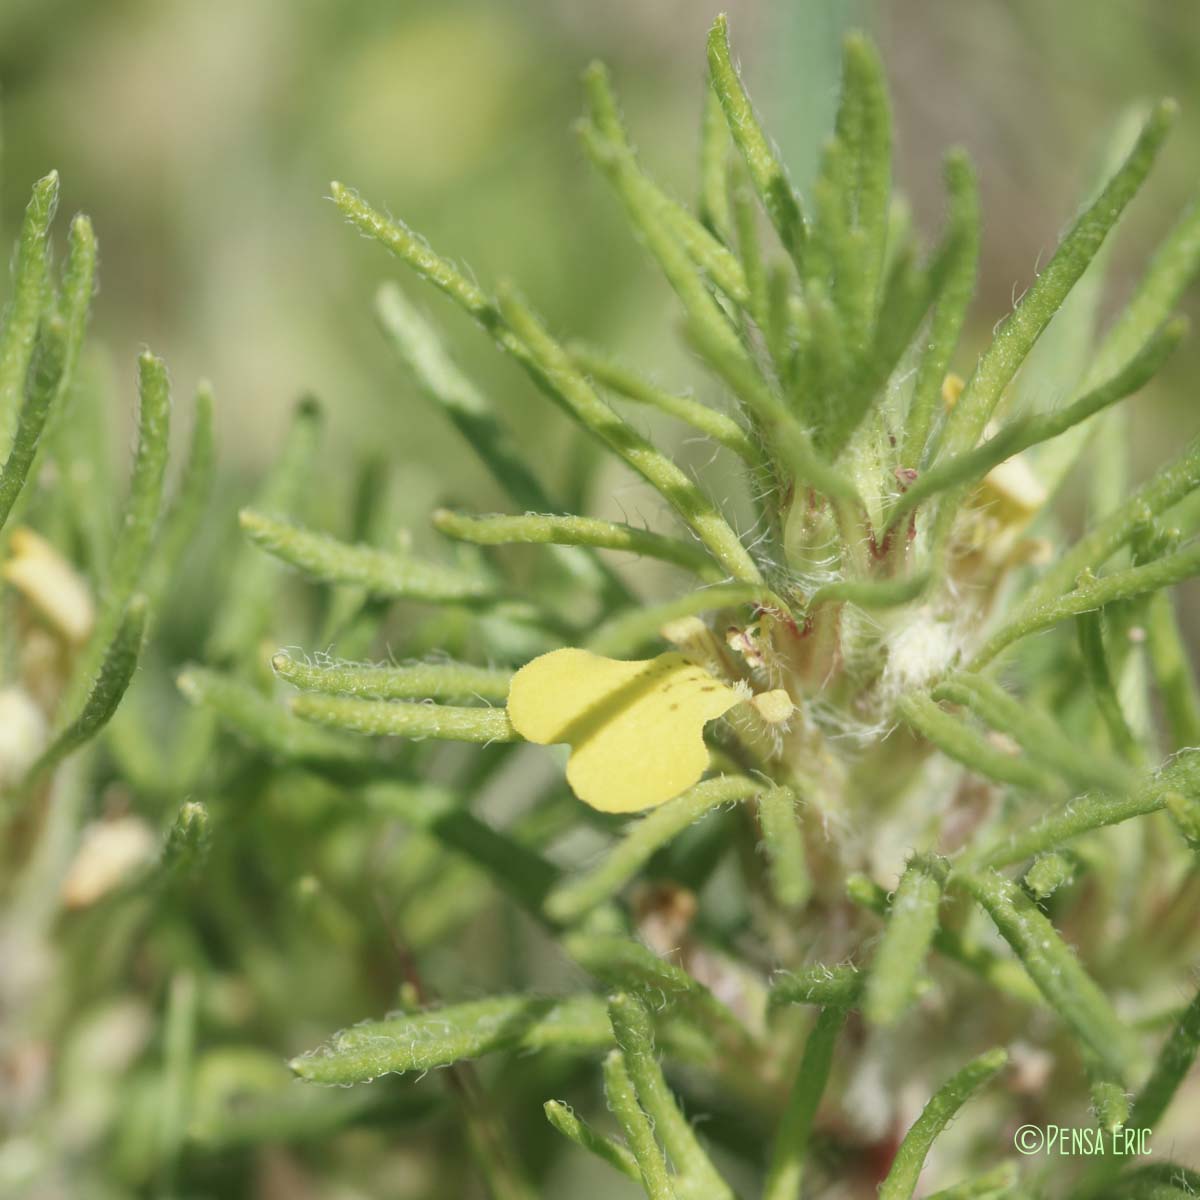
201 139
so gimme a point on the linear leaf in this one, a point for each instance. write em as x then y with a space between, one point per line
767 173
696 1177
957 740
381 718
265 724
1000 361
408 681
572 900
900 956
630 386
437 1037
969 468
1055 969
380 573
785 1172
139 521
583 1135
569 530
1091 595
1084 813
19 334
639 1133
248 606
943 1105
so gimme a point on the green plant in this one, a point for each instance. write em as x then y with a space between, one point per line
900 552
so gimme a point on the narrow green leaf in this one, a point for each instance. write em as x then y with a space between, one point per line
139 522
379 718
1171 270
1085 813
871 593
117 664
622 1100
567 384
381 574
186 513
620 962
569 530
714 170
583 1135
961 262
410 247
443 384
969 468
767 173
52 365
785 1173
19 335
1055 969
992 1185
745 214
943 1106
783 842
829 987
259 720
705 250
1090 626
696 1177
959 741
872 163
408 681
900 956
1171 1068
571 901
714 425
179 1045
1035 731
437 1037
1090 595
1016 337
45 375
246 612
857 182
1173 673
1162 491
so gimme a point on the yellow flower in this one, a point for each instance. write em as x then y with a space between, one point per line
636 729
